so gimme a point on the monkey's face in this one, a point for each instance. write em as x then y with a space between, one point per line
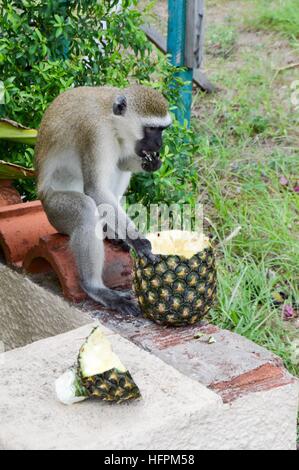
148 148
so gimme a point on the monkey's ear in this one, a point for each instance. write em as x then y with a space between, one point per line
120 106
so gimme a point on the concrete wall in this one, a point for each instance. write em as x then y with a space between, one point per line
29 313
175 412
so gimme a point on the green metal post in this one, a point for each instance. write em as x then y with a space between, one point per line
176 48
60 7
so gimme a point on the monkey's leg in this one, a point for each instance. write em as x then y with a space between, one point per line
112 237
76 215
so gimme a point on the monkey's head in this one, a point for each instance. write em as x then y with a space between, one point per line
146 113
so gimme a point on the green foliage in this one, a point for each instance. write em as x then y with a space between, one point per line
48 46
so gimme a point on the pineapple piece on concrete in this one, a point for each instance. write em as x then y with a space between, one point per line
180 287
99 373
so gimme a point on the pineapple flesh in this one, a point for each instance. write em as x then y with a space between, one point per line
180 287
98 373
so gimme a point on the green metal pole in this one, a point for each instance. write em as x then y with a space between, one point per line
65 42
176 48
60 7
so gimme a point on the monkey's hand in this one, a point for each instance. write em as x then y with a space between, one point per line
151 162
143 247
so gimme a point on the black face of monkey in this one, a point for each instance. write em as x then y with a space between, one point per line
149 146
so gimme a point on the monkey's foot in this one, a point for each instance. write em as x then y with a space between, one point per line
128 294
119 301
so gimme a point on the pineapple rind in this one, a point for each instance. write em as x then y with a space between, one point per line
186 292
113 386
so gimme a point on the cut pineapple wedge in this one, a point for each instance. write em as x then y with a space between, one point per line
96 356
178 242
98 373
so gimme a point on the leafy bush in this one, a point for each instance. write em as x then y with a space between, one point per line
48 46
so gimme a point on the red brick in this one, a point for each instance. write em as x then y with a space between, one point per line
266 377
53 253
8 194
21 226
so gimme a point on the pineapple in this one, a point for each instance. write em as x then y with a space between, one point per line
98 373
180 287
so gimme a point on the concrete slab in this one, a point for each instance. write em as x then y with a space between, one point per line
31 418
175 413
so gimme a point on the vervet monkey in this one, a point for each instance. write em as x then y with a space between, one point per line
90 141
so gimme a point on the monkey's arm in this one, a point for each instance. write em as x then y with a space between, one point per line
114 216
133 164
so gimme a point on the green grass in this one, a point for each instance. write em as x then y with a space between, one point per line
220 40
261 259
249 140
276 15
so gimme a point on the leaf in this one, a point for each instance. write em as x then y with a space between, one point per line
39 35
198 335
277 297
211 340
14 132
204 338
12 171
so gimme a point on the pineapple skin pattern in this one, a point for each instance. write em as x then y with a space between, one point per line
175 291
112 385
